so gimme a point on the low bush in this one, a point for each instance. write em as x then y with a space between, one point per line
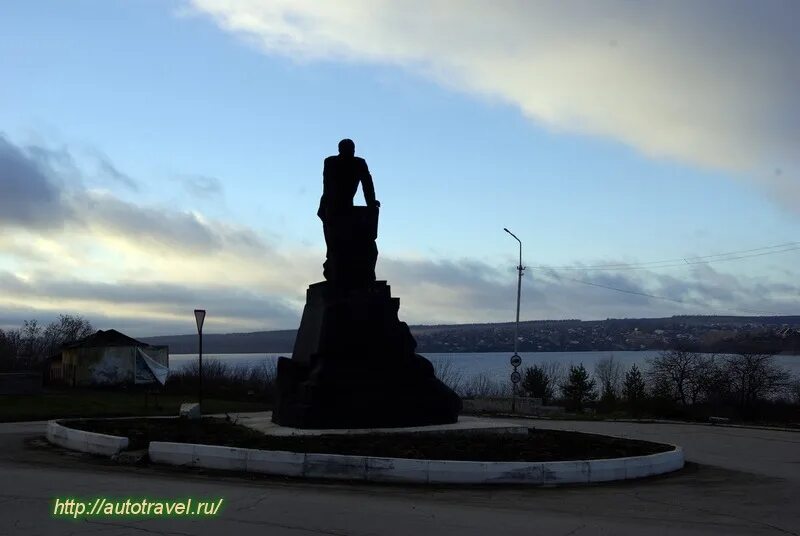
222 380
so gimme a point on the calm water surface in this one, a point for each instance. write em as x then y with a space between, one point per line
494 364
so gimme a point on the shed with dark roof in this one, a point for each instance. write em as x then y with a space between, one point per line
112 358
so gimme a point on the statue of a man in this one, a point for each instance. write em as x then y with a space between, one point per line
340 176
350 255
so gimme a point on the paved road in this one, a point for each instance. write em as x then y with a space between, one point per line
759 451
729 491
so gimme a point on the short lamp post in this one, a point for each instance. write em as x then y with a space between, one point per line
200 316
516 360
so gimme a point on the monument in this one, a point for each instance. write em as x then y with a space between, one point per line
354 363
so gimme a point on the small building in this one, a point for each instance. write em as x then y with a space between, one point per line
110 358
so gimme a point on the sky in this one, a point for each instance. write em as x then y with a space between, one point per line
159 156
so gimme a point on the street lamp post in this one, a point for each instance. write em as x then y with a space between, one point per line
200 316
516 361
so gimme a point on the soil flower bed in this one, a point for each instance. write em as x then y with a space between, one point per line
538 445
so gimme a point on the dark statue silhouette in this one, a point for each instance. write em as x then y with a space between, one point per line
350 232
354 363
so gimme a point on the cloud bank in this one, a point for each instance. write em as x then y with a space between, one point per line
709 83
28 195
67 248
143 269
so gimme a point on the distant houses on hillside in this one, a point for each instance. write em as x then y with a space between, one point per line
700 333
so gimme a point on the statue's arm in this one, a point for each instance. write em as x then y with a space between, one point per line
326 186
368 187
321 209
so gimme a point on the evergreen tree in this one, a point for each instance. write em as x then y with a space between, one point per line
579 388
633 388
538 383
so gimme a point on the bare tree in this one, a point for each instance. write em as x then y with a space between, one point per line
713 380
556 371
755 378
65 330
10 347
679 371
25 348
609 373
32 349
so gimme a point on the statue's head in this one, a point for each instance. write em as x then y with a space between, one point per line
347 147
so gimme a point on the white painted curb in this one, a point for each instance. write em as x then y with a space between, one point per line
83 441
341 467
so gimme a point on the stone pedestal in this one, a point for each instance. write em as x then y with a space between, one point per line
354 366
350 235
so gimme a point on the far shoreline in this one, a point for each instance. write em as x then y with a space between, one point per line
423 352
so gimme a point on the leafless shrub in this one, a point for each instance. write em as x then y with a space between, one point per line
448 373
223 379
793 391
483 386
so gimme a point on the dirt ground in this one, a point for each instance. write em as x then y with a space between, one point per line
536 445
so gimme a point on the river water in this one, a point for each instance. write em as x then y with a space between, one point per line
493 364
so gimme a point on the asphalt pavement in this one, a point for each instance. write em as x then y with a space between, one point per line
737 481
